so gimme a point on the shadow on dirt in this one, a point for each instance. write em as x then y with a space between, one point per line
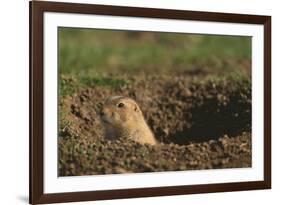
209 113
210 121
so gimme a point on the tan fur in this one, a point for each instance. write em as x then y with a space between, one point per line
125 120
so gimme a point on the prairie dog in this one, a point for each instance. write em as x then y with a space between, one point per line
122 118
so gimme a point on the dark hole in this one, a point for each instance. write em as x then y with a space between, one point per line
208 119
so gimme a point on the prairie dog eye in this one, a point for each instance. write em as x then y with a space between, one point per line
120 105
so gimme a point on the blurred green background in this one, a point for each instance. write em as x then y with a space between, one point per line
90 55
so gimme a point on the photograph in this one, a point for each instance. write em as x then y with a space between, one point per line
129 102
144 101
140 102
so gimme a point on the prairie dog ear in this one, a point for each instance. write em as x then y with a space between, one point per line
136 108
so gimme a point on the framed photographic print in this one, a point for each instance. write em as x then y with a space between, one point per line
139 102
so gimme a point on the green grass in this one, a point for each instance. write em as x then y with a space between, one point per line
96 57
69 85
84 51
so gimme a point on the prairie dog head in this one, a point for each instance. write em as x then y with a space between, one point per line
122 118
119 111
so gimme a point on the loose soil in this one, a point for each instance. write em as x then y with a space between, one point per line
200 124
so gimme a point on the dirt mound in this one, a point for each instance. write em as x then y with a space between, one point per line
87 157
200 124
